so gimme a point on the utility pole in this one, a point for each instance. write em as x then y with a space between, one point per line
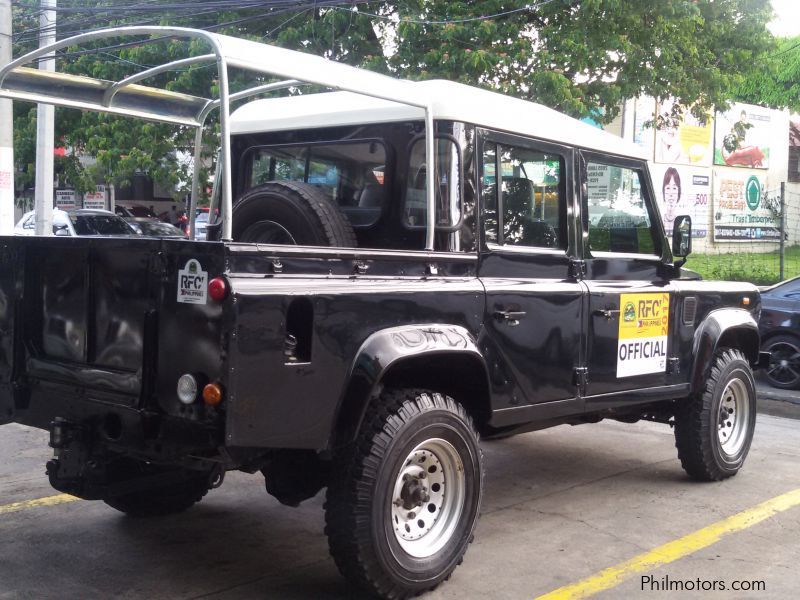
6 130
45 129
783 230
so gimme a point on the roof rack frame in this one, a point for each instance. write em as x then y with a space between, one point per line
296 68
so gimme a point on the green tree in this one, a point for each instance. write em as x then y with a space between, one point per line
777 82
581 57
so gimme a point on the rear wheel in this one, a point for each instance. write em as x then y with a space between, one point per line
784 362
290 213
404 498
714 429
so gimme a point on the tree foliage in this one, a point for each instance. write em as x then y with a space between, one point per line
777 82
581 57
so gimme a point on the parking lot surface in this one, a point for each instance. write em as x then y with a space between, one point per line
560 505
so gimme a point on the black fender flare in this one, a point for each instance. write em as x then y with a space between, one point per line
733 327
388 348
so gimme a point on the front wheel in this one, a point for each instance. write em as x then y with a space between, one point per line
784 364
714 429
404 498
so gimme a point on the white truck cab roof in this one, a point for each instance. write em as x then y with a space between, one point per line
449 101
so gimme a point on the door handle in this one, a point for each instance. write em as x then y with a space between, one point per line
512 317
608 313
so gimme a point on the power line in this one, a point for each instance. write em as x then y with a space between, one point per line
527 7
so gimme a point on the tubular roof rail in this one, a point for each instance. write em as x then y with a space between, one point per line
127 97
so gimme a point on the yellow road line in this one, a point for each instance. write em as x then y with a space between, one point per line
672 551
36 502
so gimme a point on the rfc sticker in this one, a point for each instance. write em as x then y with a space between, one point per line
192 283
643 333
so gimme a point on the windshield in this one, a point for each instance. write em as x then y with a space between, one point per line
100 225
201 218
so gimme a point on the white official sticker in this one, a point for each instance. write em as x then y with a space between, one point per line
192 283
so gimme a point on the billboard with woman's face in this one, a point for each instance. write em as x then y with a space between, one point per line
683 190
688 143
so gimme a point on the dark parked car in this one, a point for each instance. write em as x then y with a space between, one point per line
780 333
159 229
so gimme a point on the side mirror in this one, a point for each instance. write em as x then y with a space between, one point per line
61 230
682 238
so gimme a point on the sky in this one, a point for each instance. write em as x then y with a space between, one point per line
787 18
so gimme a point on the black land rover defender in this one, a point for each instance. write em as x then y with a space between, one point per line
342 340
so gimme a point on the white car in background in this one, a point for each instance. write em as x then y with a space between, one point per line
80 222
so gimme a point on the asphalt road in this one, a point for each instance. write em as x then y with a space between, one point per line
560 505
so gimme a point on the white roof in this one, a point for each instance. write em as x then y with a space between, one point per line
449 101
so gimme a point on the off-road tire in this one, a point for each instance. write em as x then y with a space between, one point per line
290 212
166 500
783 347
701 422
359 511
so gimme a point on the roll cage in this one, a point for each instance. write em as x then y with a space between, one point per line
128 98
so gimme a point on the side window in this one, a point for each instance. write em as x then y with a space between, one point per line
532 197
448 190
617 212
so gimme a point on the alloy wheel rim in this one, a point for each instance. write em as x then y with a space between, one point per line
428 498
733 417
784 365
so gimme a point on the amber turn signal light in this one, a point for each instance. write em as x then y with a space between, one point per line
212 394
217 289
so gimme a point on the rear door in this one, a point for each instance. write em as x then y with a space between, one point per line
631 302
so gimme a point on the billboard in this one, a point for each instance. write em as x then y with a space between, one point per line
742 137
683 190
740 212
687 144
644 113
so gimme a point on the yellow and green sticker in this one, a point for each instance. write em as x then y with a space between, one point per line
643 333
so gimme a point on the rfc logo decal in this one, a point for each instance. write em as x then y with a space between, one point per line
643 333
192 283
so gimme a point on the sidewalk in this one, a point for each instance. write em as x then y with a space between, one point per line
780 403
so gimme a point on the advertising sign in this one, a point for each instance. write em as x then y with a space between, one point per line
742 137
65 199
96 199
687 144
599 178
683 190
740 214
644 113
643 331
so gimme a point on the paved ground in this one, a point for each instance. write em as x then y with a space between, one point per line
560 505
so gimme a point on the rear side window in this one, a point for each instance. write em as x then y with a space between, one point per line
618 217
448 190
528 211
350 173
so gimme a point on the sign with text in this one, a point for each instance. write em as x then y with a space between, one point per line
96 199
683 190
65 199
740 214
643 332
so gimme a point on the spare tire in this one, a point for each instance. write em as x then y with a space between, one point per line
291 213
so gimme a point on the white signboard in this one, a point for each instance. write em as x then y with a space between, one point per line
599 178
192 283
683 190
65 199
739 211
96 199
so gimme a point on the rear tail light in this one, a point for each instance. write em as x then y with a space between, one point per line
218 289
